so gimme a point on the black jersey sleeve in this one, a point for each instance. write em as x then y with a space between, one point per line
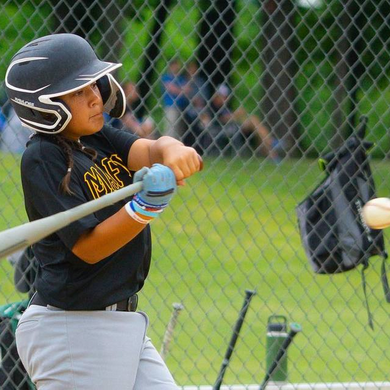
43 168
120 140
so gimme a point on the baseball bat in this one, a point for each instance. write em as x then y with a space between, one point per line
248 296
19 237
177 308
294 330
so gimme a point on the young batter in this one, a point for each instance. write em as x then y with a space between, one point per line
81 330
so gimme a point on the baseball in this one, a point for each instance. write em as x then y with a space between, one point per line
376 213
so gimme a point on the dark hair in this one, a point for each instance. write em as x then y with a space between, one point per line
68 146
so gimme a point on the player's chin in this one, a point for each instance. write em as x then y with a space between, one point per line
96 122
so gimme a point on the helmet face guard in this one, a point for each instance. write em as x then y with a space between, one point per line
50 67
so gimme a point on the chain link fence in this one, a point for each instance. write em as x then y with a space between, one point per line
261 89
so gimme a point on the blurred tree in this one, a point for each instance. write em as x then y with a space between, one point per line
103 24
152 55
319 30
349 69
342 73
100 22
278 78
216 41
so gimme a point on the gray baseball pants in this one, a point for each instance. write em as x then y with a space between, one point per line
89 350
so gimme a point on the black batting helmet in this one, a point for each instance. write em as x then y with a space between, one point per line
53 66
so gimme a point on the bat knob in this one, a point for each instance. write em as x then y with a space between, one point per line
178 306
295 328
250 292
201 163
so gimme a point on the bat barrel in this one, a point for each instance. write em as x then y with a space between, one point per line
248 296
177 307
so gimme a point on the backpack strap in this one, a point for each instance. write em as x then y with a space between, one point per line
369 315
385 282
361 131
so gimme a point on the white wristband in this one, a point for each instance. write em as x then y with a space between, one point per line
134 215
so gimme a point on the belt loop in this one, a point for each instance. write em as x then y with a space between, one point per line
133 303
112 307
129 304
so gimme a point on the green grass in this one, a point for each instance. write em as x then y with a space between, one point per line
234 227
231 228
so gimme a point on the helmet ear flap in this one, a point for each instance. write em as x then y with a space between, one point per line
51 118
114 99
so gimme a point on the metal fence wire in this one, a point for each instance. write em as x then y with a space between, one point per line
263 90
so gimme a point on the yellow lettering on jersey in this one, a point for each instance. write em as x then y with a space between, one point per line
112 183
104 178
113 166
96 182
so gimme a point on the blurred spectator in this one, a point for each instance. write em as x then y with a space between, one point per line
236 129
14 136
175 98
144 127
3 120
198 93
195 114
4 108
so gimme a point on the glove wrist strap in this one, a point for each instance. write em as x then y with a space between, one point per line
143 210
145 205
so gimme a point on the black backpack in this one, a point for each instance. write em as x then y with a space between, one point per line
333 233
13 376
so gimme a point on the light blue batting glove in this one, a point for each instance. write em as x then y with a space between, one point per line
159 186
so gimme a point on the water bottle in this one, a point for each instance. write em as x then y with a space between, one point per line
276 334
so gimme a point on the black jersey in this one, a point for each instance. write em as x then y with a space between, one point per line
63 279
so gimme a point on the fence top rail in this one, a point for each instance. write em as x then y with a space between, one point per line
303 386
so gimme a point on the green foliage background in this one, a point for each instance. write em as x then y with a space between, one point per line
317 32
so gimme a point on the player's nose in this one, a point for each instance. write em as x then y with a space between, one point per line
94 95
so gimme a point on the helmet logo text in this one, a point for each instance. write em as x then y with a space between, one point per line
25 102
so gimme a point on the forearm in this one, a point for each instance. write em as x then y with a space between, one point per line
183 160
158 187
107 237
145 153
162 148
